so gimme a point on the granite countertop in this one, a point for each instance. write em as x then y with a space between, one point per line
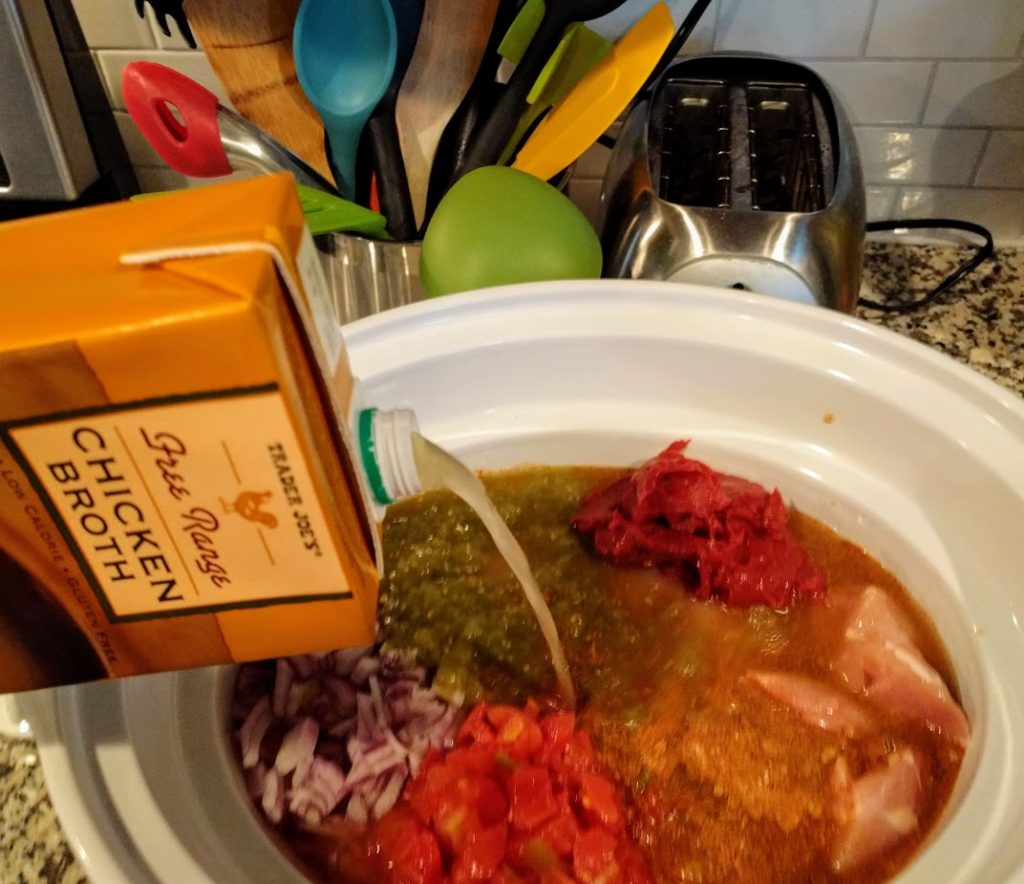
980 323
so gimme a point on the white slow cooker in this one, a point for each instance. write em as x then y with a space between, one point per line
911 455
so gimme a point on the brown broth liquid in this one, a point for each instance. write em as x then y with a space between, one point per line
726 784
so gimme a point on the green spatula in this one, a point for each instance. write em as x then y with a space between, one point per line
326 213
579 50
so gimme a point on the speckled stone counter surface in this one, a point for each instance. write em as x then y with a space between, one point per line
980 322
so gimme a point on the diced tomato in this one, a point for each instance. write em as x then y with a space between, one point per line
518 733
499 713
600 802
464 805
481 855
520 798
533 859
538 856
578 756
556 876
480 793
454 825
426 792
531 799
432 757
475 729
507 875
504 763
474 758
557 729
594 859
489 799
632 863
407 851
561 832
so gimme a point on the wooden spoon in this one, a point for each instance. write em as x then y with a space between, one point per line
449 50
250 49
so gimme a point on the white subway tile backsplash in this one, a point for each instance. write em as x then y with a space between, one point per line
939 118
977 93
139 151
615 23
586 194
878 91
812 28
107 25
946 28
593 162
919 156
174 40
881 202
153 179
1001 211
1003 162
193 64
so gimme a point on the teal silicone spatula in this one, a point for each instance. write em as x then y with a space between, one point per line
345 53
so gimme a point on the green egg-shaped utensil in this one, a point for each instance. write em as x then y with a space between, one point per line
498 226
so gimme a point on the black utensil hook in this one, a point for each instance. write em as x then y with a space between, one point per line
164 8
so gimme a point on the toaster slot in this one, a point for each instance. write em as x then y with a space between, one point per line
787 169
695 144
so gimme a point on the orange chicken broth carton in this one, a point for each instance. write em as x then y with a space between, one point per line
175 483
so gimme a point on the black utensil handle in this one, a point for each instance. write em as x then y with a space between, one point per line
450 155
682 34
493 132
392 183
483 92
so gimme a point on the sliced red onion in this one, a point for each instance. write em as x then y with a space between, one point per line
273 796
343 727
389 795
345 730
366 667
342 693
254 780
282 683
318 793
297 694
357 810
345 660
296 752
253 729
304 664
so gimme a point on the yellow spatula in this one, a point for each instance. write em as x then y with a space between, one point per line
577 121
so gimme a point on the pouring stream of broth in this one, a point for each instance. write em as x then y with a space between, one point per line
437 468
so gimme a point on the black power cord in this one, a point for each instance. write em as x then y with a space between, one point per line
984 252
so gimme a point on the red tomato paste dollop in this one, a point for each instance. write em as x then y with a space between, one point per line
520 798
727 537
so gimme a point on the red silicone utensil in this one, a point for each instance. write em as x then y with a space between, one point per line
196 135
190 145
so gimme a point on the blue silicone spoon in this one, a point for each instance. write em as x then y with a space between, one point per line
345 57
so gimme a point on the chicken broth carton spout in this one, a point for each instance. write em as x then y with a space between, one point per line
176 487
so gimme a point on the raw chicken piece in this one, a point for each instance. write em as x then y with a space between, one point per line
877 810
879 660
876 618
817 703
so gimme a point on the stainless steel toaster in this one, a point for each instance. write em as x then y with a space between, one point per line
740 171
